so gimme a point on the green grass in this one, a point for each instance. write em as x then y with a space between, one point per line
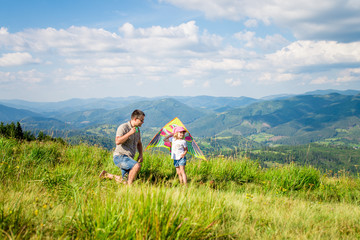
52 191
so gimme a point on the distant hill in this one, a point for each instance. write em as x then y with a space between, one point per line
287 120
329 91
81 119
158 113
296 120
277 97
217 104
42 123
9 114
28 119
71 105
317 92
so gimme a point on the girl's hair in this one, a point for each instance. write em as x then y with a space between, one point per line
176 135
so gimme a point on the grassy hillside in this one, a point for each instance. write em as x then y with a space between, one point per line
329 159
50 191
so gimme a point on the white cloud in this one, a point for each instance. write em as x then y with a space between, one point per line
5 77
232 82
182 54
344 77
158 41
272 77
240 53
308 53
69 41
31 76
190 71
206 84
245 36
321 80
186 30
89 53
188 83
325 20
224 64
16 59
269 43
251 23
349 75
213 9
93 73
21 77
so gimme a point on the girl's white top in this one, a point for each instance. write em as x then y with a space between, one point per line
177 148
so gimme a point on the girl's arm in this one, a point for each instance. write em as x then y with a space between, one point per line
166 139
185 152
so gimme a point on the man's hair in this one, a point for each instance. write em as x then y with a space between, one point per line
137 114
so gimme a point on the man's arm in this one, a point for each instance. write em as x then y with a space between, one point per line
121 139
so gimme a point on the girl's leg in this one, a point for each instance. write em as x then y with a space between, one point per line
183 174
179 174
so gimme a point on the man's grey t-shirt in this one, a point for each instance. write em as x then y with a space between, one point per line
129 147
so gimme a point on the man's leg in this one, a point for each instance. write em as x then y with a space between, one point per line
133 172
104 174
119 179
127 165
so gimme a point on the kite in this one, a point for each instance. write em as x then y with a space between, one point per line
158 139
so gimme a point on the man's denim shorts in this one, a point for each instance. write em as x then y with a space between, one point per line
180 162
125 163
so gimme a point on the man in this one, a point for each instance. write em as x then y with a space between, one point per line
128 140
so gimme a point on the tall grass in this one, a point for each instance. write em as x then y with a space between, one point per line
292 177
51 191
263 216
146 212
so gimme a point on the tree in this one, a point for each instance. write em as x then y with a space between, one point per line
41 136
18 131
2 129
28 136
11 130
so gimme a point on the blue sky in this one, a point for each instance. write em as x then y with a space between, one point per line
61 49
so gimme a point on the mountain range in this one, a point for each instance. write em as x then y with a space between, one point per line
328 115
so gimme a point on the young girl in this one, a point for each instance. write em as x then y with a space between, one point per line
178 151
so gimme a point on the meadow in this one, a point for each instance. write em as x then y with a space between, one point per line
51 190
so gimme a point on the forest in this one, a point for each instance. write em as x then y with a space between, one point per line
12 130
328 158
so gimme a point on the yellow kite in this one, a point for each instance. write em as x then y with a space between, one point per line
158 139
